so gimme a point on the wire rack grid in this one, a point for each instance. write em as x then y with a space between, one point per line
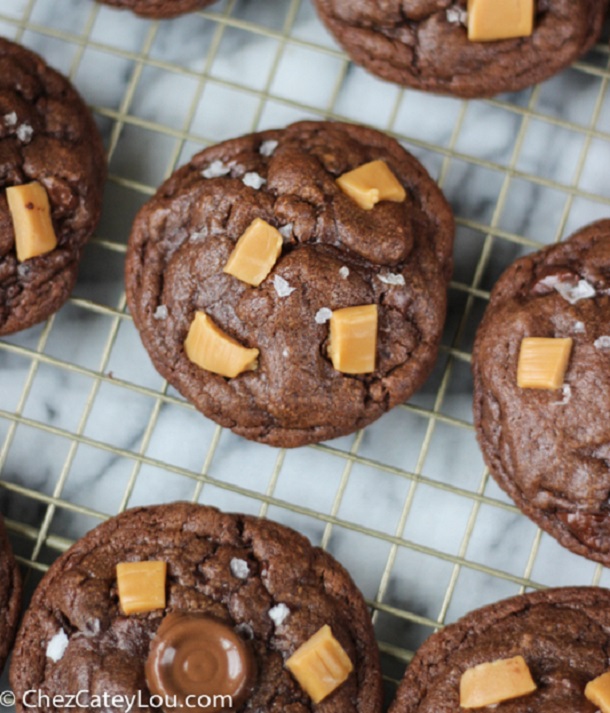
87 427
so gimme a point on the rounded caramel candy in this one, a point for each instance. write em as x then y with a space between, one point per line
196 662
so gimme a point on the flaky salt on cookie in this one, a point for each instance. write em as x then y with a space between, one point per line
292 283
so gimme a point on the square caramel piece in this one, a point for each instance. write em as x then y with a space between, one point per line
370 183
494 682
141 586
543 362
598 692
320 665
31 215
255 253
207 346
353 339
491 20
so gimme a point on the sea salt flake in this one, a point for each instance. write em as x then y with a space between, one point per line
566 391
253 180
456 15
161 312
286 231
572 293
602 342
323 315
285 352
198 235
216 169
282 287
392 279
267 148
578 328
10 119
23 270
24 133
56 648
344 272
279 613
239 568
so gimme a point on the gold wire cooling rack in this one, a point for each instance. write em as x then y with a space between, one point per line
87 428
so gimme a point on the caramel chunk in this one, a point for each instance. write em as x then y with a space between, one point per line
370 183
255 253
543 362
353 339
31 215
141 586
494 682
210 348
320 665
598 692
490 20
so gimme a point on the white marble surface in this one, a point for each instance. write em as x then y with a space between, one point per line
423 530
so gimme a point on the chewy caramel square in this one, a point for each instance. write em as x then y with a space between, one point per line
141 586
370 183
494 682
492 20
207 346
31 215
543 362
598 692
255 253
320 665
353 339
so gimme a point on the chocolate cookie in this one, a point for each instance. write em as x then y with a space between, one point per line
549 447
10 595
563 635
394 258
48 142
424 43
159 9
214 589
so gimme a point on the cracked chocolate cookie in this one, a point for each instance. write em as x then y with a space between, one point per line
425 43
562 635
541 365
159 9
10 595
241 267
179 600
52 171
